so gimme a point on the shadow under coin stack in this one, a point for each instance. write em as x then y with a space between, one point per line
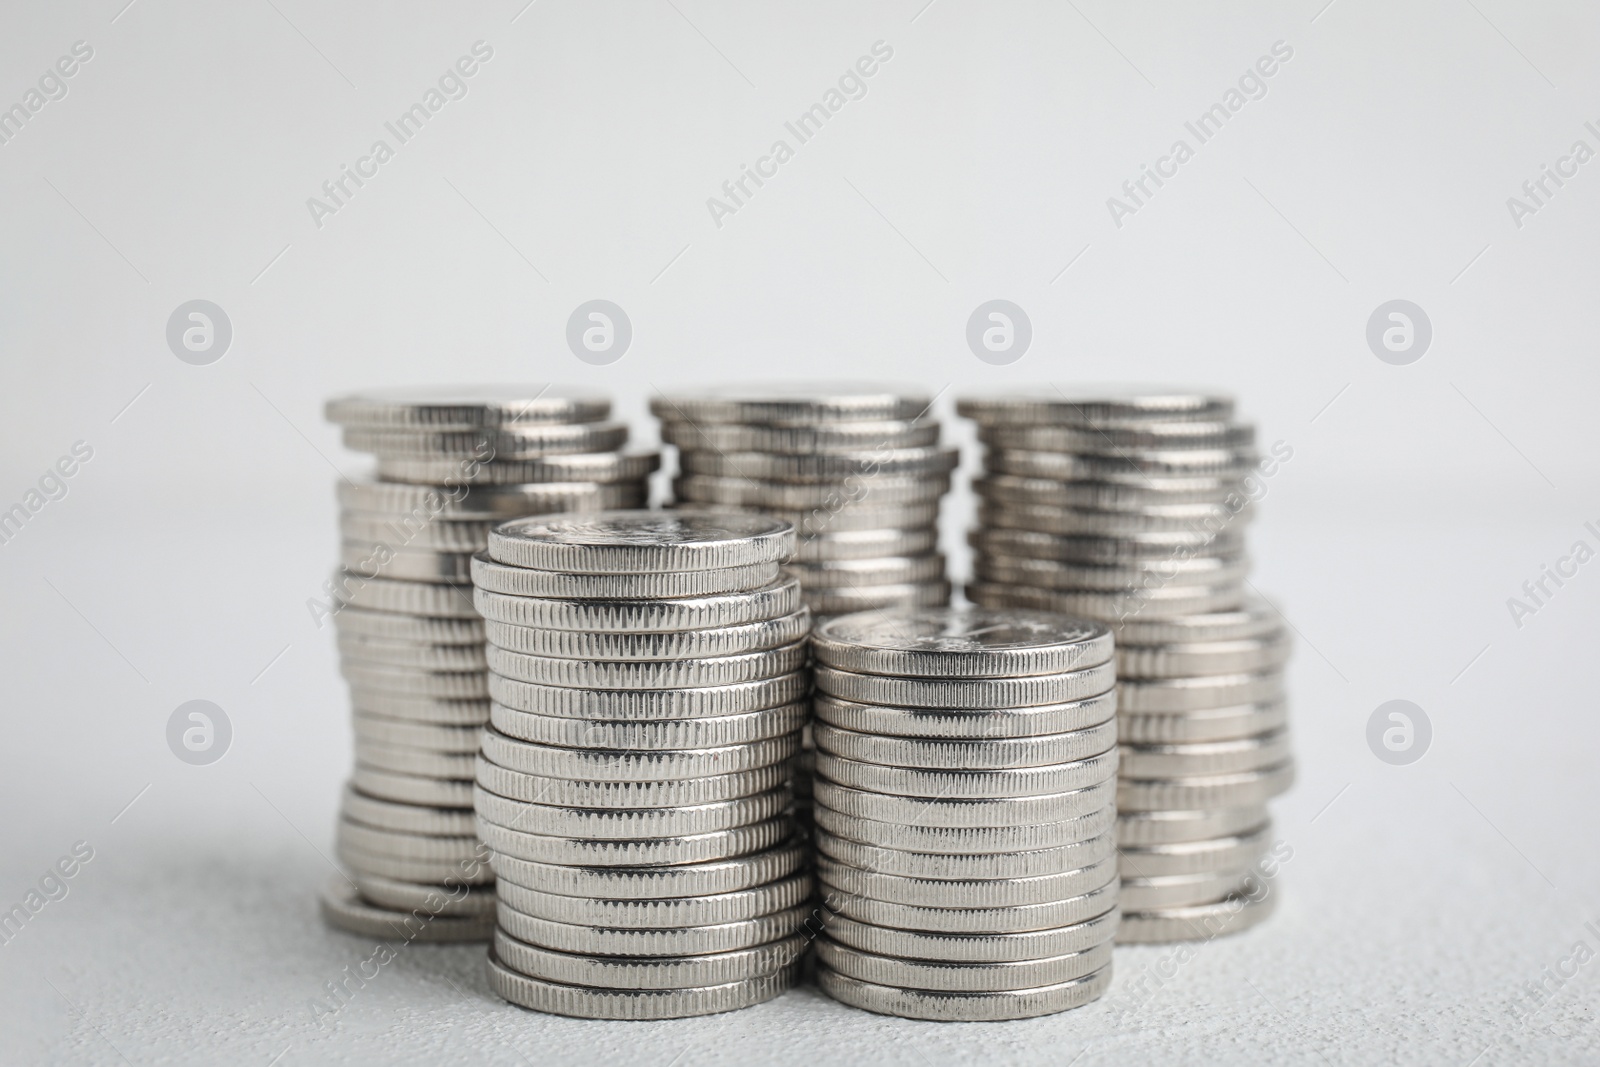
1128 506
649 686
965 808
451 463
856 468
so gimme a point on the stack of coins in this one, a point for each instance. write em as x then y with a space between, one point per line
965 808
856 468
649 686
451 463
1129 507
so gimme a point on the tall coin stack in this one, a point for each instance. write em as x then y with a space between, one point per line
965 809
1129 506
451 463
649 685
856 468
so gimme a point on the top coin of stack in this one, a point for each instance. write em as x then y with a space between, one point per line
451 463
649 685
1129 506
856 468
965 806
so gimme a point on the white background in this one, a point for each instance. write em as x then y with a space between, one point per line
1421 901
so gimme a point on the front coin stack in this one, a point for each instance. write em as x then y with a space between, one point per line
649 687
451 463
965 808
1129 507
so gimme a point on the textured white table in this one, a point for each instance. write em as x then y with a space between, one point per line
1420 903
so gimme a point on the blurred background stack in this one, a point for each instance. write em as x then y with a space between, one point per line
451 462
1129 507
857 468
649 685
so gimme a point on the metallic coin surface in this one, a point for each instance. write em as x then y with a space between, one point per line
960 643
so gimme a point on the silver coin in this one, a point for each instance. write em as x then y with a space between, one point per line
1137 696
957 724
980 755
445 535
343 908
453 899
961 977
661 913
993 1006
648 765
966 892
411 788
1106 522
799 439
408 598
389 815
1024 463
844 600
1193 759
964 840
1195 857
466 407
1116 437
857 573
960 643
964 812
602 467
1155 602
993 784
708 732
585 1002
1253 618
682 941
819 466
579 793
974 948
1007 920
648 972
630 883
866 544
1023 864
402 845
1180 890
470 871
1240 656
522 581
418 761
1141 829
403 733
1210 724
1000 535
645 852
797 403
626 824
651 647
641 542
650 703
423 565
649 674
453 657
423 503
780 598
879 490
1137 491
856 510
526 441
1114 578
1243 789
455 685
1095 405
392 626
969 693
1196 922
415 708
